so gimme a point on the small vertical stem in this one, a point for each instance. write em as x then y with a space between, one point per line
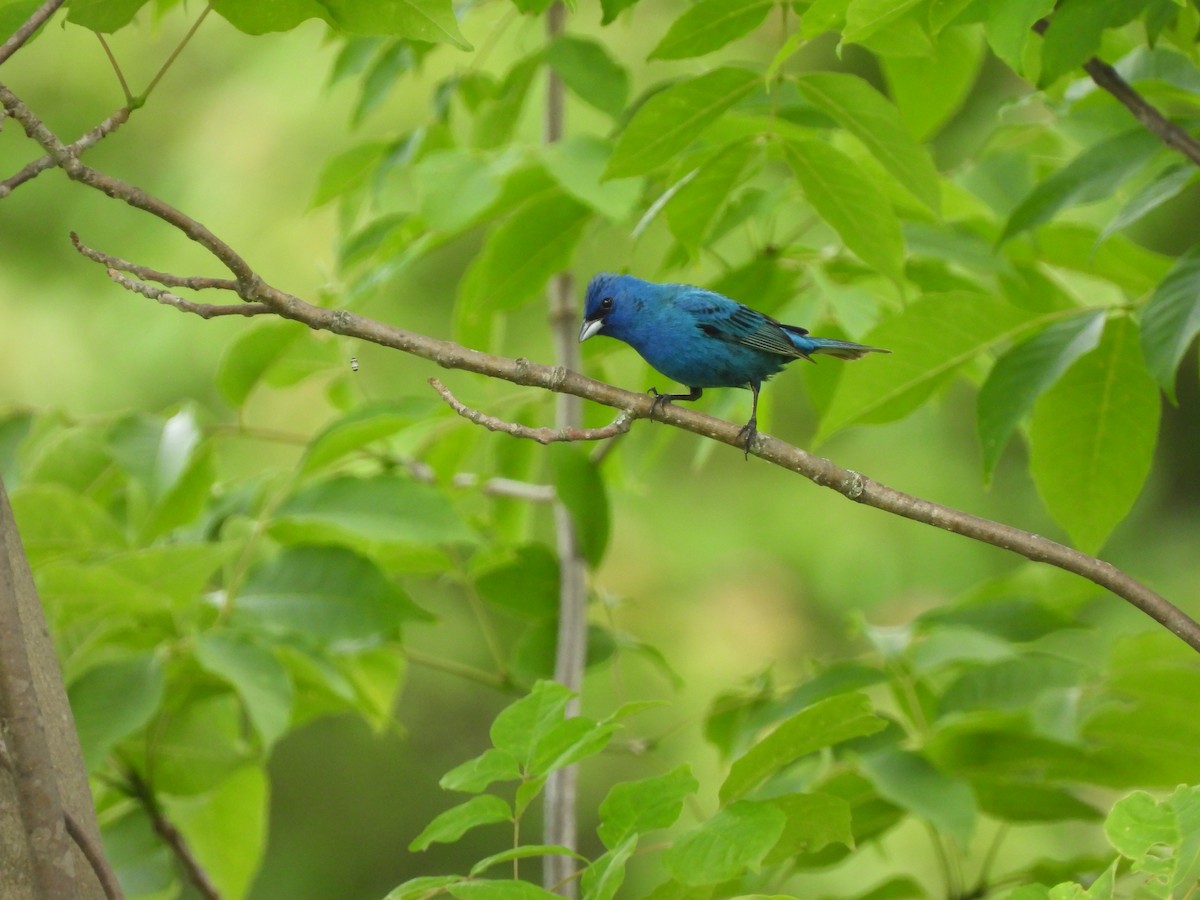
559 799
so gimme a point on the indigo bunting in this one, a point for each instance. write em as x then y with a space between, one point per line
700 338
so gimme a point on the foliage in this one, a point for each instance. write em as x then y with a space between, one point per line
204 613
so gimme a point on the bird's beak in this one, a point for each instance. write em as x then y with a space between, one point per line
590 327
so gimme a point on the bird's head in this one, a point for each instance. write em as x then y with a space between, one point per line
612 302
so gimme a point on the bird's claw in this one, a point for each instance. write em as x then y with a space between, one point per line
747 436
659 400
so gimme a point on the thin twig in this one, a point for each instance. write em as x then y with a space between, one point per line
203 310
1109 79
506 487
95 857
18 38
170 835
248 280
619 425
175 53
559 801
130 100
88 140
191 282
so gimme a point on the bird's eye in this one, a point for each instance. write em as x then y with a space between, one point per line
606 304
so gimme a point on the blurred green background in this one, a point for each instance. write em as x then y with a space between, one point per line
732 568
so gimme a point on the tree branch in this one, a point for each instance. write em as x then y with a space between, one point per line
570 649
142 792
18 38
88 140
1109 79
559 379
95 857
619 425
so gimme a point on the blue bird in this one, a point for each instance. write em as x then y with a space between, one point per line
700 338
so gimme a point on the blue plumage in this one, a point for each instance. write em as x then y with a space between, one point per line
700 338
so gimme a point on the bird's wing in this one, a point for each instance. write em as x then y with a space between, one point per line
727 320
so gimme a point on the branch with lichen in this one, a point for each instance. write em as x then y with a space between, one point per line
251 288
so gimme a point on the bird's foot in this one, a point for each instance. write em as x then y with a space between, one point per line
747 436
659 400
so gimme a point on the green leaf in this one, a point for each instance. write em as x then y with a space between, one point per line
198 743
634 807
482 889
736 839
259 678
394 59
929 341
361 426
1022 801
1093 435
850 202
226 828
702 193
1141 828
348 171
590 72
476 774
1007 684
250 355
519 728
1009 27
455 186
709 25
577 164
423 886
822 16
381 509
568 742
449 826
871 118
103 15
58 523
581 490
497 119
1171 320
613 8
668 122
908 780
522 253
527 584
14 14
113 700
1093 175
1166 186
1023 373
329 593
827 722
865 17
430 21
185 499
525 851
1075 31
602 879
814 821
929 90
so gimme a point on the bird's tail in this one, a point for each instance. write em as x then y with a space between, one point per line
808 345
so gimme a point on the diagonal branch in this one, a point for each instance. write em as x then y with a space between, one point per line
18 38
41 164
853 485
821 471
1109 79
619 425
